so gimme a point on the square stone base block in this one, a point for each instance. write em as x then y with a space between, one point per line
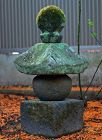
52 118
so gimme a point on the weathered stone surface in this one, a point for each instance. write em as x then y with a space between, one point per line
52 87
54 37
52 118
51 18
50 58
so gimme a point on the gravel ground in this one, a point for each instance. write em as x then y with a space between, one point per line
10 128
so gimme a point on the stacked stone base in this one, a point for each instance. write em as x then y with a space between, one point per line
52 118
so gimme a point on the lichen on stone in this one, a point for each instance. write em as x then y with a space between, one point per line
54 37
50 58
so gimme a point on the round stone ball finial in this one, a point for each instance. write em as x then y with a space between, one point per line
51 19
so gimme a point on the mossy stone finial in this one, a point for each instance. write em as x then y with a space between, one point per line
51 19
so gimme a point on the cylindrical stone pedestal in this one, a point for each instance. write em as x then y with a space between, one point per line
52 87
52 118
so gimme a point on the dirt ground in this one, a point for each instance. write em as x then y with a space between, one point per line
94 89
10 128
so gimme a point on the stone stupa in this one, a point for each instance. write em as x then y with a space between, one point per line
53 114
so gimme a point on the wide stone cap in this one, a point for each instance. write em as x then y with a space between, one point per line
51 59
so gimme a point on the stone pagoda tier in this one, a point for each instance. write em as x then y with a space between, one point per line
50 59
52 114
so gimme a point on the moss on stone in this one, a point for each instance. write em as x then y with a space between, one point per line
51 18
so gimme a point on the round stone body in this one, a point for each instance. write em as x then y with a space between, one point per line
52 87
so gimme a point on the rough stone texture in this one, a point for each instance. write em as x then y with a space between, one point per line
52 87
51 18
50 58
54 37
52 118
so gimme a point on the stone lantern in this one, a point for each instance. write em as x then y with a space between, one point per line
52 114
